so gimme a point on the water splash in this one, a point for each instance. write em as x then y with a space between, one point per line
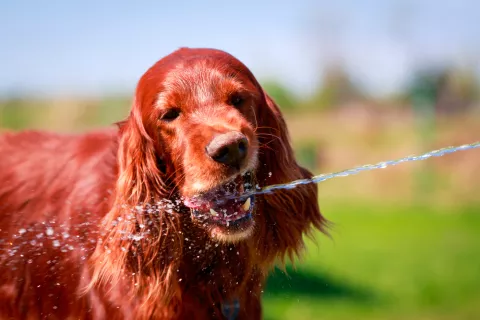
381 165
66 237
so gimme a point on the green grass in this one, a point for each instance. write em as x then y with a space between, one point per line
385 262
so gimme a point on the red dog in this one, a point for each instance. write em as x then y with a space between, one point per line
148 221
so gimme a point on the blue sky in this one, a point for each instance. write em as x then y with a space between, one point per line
96 47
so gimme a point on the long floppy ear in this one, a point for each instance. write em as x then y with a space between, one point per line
287 214
139 244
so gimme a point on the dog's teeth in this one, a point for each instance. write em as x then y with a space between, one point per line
213 212
246 205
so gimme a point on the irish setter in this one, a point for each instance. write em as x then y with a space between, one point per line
155 218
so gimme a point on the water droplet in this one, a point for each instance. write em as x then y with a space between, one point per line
49 231
136 237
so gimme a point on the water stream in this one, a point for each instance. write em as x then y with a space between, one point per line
348 172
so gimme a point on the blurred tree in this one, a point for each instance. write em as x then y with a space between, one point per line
336 89
285 99
458 90
310 154
444 90
15 113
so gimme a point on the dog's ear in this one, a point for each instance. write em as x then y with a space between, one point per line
140 234
140 178
287 214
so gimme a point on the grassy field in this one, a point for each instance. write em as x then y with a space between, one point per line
385 262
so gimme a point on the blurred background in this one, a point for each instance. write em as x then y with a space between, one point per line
358 81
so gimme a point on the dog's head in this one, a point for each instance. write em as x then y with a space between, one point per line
203 130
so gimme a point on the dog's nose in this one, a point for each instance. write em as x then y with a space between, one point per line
228 148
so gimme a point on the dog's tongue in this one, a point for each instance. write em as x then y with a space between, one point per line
221 196
223 204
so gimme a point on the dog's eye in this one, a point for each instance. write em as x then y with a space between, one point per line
170 115
236 101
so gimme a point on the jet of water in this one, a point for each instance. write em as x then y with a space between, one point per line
368 167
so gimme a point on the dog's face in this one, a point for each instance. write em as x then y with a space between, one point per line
205 121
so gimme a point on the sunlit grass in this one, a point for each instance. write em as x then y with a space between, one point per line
385 262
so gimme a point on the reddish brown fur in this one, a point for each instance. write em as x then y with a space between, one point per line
85 187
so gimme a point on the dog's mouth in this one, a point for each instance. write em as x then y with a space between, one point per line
226 210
